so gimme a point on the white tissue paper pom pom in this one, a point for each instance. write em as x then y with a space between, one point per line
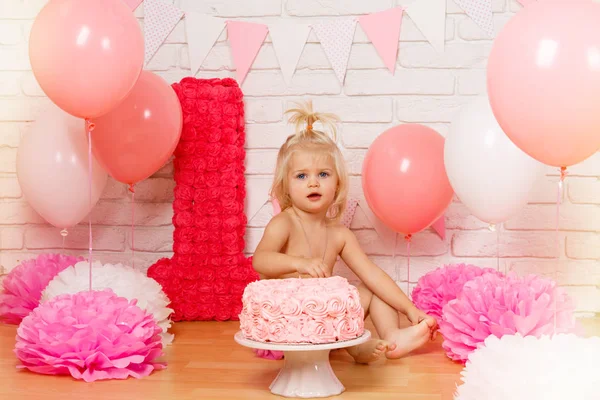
560 367
125 281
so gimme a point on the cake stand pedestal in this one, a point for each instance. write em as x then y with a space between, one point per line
306 370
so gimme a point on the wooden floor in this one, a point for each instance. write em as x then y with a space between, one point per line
204 362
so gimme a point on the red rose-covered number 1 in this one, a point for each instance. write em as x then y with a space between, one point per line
207 275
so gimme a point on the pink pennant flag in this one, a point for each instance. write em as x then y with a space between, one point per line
245 39
440 227
159 20
383 30
276 206
133 4
349 212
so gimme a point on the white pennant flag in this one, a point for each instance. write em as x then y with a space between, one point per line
202 32
159 20
430 17
480 12
257 194
288 39
336 38
386 234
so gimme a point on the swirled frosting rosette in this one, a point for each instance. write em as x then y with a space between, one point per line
316 311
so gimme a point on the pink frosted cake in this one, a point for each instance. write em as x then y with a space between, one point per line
323 310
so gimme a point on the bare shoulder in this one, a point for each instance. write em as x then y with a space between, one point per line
276 234
281 223
340 232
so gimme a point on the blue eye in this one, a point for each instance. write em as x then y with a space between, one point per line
300 176
324 174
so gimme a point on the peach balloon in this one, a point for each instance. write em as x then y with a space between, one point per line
136 139
404 179
86 54
543 80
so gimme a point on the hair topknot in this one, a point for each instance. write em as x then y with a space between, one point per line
304 117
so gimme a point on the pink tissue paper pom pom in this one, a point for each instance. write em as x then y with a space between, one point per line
436 288
24 284
90 335
496 305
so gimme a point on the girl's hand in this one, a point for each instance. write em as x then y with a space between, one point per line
314 267
415 316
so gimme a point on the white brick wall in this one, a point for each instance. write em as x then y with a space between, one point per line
427 88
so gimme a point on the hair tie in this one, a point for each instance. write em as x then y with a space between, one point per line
309 127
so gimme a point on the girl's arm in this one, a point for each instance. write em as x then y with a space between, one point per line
271 263
372 276
267 259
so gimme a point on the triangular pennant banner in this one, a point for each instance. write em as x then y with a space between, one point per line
439 227
160 19
245 39
480 12
288 39
386 235
430 17
383 30
336 38
256 195
346 220
348 216
202 32
276 206
133 4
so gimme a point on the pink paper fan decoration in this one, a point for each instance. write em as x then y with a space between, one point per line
436 288
23 286
91 336
496 305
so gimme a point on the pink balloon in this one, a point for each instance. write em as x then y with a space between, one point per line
544 81
86 54
137 138
52 169
404 178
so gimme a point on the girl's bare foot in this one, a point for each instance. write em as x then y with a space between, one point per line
370 351
408 339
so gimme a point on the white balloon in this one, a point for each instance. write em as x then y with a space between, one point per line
487 171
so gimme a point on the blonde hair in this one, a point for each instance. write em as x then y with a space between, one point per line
308 138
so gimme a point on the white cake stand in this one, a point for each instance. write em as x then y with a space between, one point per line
306 370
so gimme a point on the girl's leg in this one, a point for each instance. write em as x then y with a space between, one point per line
386 321
373 349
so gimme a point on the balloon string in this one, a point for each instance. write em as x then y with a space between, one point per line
563 174
64 234
498 251
90 127
132 190
494 228
408 239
